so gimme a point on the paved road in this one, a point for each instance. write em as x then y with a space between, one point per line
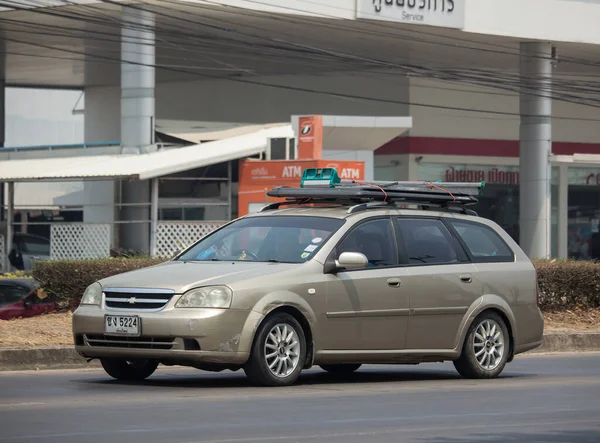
538 399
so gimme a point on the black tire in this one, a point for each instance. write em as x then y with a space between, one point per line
257 368
468 364
341 369
133 370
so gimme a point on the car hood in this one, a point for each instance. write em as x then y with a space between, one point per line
181 276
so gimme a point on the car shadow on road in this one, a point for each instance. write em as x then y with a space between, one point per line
170 378
581 436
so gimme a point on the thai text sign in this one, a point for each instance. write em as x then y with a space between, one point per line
444 13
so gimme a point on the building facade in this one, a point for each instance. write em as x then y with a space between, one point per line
490 92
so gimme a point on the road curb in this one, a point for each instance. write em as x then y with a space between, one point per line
56 357
581 342
65 357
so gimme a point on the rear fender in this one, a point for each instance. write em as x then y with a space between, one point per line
484 303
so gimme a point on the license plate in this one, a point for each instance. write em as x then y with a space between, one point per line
122 325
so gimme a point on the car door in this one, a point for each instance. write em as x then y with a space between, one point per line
366 309
441 284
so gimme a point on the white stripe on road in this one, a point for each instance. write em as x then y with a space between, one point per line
2 405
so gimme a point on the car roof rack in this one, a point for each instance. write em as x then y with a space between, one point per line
323 186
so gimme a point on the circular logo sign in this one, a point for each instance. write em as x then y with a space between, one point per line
306 129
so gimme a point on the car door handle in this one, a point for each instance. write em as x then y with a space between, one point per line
394 282
466 278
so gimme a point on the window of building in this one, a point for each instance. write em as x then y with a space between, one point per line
427 241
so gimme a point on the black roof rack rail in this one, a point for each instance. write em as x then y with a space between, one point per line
359 193
323 186
368 205
359 207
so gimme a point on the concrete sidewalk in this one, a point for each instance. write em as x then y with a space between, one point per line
63 357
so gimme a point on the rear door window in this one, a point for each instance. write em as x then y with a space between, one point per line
482 242
427 241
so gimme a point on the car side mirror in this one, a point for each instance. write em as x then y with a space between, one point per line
351 260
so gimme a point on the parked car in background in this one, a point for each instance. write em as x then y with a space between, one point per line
21 297
28 248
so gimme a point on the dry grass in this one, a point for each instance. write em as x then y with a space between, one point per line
55 329
44 330
573 320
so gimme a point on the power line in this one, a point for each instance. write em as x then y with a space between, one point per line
395 26
328 93
480 81
445 76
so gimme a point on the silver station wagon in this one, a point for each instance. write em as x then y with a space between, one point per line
337 275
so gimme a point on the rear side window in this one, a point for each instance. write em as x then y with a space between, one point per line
10 294
484 244
427 241
36 246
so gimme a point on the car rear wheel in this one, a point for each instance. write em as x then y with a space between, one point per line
486 348
129 370
341 369
278 352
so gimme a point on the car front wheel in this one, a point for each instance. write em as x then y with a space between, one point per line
129 370
278 352
486 347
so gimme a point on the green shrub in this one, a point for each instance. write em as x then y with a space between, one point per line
568 284
563 284
66 280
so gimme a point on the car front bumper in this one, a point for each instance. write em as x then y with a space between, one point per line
180 336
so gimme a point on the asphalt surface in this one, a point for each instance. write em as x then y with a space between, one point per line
539 398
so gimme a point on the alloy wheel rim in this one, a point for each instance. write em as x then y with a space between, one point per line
282 350
488 344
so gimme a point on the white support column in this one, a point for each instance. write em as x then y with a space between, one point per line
154 216
137 82
2 136
229 191
9 222
24 220
137 120
563 211
535 147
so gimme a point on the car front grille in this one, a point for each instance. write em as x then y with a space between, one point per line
137 299
164 343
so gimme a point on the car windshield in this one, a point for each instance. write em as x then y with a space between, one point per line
285 239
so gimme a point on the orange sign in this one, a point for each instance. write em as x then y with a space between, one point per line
257 177
310 137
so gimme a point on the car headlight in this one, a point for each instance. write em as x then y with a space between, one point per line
92 295
208 297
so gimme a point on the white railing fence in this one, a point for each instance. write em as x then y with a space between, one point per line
172 237
78 241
